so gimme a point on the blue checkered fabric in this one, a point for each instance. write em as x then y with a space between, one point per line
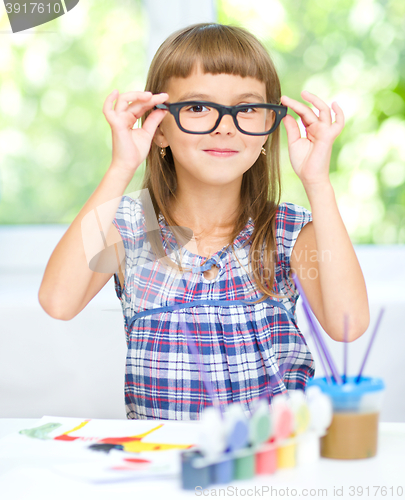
247 350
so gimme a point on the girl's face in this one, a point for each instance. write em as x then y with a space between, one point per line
221 157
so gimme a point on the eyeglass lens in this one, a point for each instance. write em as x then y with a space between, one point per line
202 118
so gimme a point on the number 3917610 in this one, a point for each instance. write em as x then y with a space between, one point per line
30 8
376 491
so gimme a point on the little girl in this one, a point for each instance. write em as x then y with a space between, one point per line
210 137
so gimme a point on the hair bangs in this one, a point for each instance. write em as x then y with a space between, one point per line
217 49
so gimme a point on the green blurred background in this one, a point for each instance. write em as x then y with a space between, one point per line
55 144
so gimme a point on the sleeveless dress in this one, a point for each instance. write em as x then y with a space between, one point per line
246 350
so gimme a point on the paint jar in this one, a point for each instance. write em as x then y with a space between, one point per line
353 433
222 471
244 467
266 461
192 476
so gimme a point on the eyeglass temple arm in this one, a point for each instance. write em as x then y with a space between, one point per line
162 106
283 111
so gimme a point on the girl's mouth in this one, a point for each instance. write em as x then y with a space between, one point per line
221 152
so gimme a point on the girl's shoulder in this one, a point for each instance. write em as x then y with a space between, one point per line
129 206
290 219
129 213
130 220
133 213
292 216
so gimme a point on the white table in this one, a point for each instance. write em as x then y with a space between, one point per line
27 478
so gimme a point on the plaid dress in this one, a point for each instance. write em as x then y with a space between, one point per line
246 350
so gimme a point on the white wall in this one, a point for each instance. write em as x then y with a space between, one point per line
48 366
167 16
76 368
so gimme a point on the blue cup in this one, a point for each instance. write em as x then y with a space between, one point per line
353 433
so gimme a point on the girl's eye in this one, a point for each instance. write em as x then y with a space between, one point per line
197 108
247 109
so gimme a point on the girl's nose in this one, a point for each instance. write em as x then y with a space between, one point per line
226 126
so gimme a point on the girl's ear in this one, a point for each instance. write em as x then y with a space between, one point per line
159 138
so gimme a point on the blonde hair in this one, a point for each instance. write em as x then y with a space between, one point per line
232 50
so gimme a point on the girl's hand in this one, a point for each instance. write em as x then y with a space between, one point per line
131 146
310 156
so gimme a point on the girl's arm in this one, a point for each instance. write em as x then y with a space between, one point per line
69 282
323 256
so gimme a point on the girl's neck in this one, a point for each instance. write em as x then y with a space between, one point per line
206 211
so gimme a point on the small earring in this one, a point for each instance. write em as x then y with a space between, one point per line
263 151
162 152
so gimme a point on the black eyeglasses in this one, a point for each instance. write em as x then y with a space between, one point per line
201 117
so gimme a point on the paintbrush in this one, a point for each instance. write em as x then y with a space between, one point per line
345 347
315 329
370 344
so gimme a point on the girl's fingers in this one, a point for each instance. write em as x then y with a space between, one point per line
339 117
125 100
303 111
108 106
324 110
292 129
127 97
130 106
138 109
308 116
152 122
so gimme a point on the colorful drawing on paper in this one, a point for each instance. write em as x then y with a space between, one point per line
131 444
130 449
41 432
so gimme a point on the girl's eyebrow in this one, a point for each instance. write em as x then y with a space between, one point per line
194 96
249 95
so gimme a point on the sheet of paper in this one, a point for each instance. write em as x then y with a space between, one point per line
99 450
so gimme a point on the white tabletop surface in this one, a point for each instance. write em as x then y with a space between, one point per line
26 478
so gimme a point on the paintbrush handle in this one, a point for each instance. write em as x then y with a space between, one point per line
317 346
194 351
370 344
328 357
345 350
